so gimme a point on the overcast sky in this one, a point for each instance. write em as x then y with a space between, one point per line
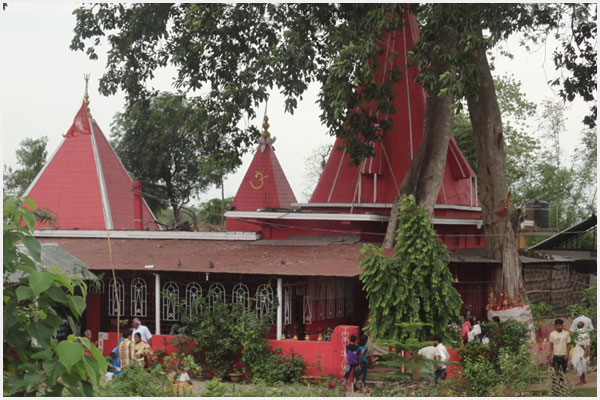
41 86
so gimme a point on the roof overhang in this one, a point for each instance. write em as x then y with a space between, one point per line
381 205
315 216
74 233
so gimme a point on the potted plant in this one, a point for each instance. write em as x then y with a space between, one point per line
237 375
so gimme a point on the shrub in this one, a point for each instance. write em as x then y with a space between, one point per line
138 382
214 388
275 368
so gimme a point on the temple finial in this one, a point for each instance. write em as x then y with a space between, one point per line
86 97
265 133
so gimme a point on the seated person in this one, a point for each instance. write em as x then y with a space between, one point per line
114 368
143 351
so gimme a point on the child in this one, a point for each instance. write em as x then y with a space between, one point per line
352 353
114 368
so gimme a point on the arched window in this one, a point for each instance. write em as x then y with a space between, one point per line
170 298
96 286
193 291
241 295
287 305
112 302
339 286
264 303
216 293
138 297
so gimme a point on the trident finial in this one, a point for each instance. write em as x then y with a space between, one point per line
87 79
265 125
86 97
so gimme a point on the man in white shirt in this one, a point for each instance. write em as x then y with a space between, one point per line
143 330
430 353
440 372
587 323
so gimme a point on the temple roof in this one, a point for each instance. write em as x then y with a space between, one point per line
84 183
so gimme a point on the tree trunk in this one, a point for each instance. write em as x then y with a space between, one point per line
500 237
424 176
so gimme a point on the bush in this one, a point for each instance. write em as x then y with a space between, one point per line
138 382
275 368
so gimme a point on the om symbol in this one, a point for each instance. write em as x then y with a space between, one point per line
261 179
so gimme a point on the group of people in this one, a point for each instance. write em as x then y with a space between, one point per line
560 345
471 330
356 356
134 348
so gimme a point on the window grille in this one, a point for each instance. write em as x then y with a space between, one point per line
193 291
349 300
216 293
139 292
330 298
307 309
322 296
287 305
264 303
112 303
96 286
241 295
170 297
339 286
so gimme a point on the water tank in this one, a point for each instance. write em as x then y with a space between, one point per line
538 211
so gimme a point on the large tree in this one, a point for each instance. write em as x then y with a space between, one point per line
233 54
31 158
175 156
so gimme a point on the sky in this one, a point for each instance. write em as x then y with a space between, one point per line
42 87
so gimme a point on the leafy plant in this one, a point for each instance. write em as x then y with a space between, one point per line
134 381
415 285
539 311
214 388
275 368
183 362
35 363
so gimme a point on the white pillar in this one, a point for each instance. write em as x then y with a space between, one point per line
157 303
279 308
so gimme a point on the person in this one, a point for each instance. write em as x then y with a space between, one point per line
352 353
440 371
559 346
114 368
430 353
174 329
581 353
126 350
364 361
143 351
143 330
587 323
474 334
88 335
466 328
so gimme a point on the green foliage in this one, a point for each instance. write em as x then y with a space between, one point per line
211 212
503 367
35 363
286 390
415 285
214 388
221 331
134 381
275 368
162 143
31 157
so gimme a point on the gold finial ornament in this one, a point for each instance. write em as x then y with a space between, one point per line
265 125
86 97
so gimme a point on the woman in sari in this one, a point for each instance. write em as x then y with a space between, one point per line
581 353
143 351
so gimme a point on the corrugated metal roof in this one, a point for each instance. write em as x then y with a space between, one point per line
554 241
225 257
54 255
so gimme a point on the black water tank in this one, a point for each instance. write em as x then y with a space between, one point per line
539 211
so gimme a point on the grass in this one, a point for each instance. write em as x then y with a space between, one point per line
586 392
